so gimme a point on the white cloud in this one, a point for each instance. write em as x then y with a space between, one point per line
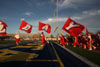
91 12
86 14
65 3
76 18
77 3
60 19
28 13
85 17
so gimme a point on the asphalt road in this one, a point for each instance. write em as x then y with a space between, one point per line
34 55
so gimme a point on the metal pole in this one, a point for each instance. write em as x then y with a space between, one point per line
57 12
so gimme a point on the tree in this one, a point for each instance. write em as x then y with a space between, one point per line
51 36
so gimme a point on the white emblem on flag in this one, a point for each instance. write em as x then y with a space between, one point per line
45 27
2 29
71 25
27 27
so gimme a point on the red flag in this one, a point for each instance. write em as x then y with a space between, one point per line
86 30
3 28
25 27
72 27
45 27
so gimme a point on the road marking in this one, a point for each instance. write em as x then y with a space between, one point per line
15 55
23 46
31 44
42 60
12 55
58 58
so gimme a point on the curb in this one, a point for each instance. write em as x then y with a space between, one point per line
91 64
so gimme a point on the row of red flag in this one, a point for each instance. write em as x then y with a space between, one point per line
28 28
71 27
25 27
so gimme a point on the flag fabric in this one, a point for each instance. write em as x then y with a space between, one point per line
3 28
72 27
45 27
86 30
25 27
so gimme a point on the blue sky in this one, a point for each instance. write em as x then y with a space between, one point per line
86 12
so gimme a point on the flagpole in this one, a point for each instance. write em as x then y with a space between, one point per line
21 22
57 12
56 29
54 20
60 31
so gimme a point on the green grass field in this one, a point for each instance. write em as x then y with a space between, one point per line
8 42
90 55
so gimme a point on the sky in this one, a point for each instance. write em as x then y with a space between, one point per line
85 12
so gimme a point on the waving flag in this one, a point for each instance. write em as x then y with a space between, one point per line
86 30
72 27
3 28
25 27
45 27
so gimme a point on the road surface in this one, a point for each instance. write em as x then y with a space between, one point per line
34 55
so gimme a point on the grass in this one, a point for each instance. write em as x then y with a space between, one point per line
11 41
90 55
8 42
